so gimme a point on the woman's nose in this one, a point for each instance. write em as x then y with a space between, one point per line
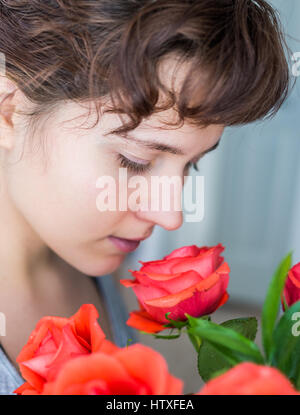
163 208
169 220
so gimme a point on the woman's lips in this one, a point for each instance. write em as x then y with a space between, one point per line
124 245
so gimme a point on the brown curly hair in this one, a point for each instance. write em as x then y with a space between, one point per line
84 50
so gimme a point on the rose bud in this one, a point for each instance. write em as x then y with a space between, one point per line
189 280
291 292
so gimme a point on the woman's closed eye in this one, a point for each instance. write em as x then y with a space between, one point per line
133 166
140 168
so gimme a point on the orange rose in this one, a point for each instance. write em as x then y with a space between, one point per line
291 292
249 379
189 280
132 370
54 341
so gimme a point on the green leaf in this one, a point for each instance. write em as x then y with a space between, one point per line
218 373
195 340
212 360
247 326
226 340
172 336
285 352
162 336
192 321
284 302
272 301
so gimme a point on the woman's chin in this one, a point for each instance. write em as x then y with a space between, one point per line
102 267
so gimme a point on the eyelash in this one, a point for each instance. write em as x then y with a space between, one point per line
142 168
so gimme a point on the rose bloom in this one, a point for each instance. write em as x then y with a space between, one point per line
132 370
249 379
71 356
189 280
291 290
54 341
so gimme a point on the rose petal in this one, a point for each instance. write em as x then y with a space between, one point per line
294 279
160 267
173 299
200 303
171 284
39 364
87 327
141 320
155 370
128 283
144 293
205 264
94 366
248 378
69 348
185 251
152 277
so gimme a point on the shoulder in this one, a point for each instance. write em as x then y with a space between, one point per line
9 377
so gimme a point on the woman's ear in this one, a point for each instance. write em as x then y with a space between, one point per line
7 108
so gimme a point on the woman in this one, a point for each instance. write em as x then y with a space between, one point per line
92 86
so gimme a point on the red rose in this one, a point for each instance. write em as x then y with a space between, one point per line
249 379
54 341
189 280
291 290
132 370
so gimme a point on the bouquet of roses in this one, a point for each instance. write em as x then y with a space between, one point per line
71 356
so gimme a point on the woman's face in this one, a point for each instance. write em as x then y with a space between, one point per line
55 190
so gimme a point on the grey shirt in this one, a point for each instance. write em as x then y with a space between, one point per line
118 315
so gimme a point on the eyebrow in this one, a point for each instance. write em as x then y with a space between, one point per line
165 148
